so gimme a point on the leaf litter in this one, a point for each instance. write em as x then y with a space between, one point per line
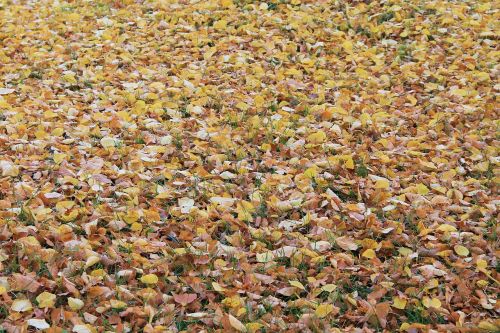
249 166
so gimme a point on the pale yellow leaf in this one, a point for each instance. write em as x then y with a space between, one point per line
21 305
236 324
46 300
461 250
75 304
297 284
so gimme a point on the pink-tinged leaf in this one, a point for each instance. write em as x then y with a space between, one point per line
184 299
346 243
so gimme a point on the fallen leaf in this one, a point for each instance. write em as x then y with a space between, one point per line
297 284
39 324
149 279
323 310
398 302
184 299
346 243
236 324
46 300
461 250
21 305
75 304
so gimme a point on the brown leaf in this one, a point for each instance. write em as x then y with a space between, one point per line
346 243
26 282
382 310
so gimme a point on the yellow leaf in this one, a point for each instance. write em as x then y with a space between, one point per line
149 279
370 254
136 226
75 304
259 101
433 283
241 312
461 250
73 17
92 260
70 78
3 290
446 228
329 288
265 147
317 137
404 327
57 131
58 157
349 163
242 106
365 118
481 264
124 116
459 92
98 272
46 300
69 215
131 217
398 302
422 189
297 284
482 283
489 326
382 184
311 172
323 310
347 45
253 327
431 303
220 25
428 165
233 302
412 99
180 250
226 3
362 73
116 304
245 210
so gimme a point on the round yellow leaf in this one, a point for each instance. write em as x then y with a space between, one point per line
461 250
46 300
149 279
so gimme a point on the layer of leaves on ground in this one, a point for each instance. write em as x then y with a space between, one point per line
232 165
